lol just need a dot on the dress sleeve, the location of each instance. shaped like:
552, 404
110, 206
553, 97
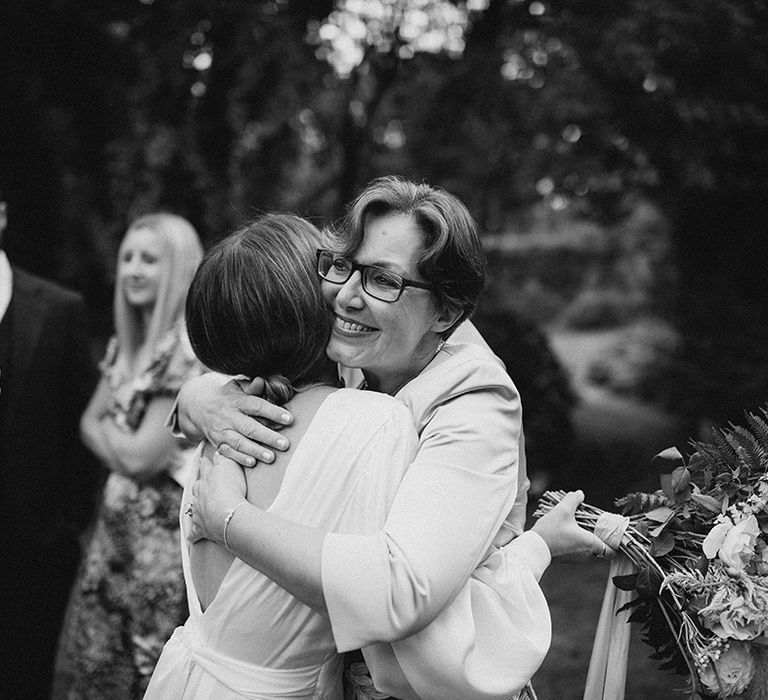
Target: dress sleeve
447, 510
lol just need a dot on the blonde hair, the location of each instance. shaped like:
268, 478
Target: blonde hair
181, 255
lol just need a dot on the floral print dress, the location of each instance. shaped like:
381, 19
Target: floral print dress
129, 595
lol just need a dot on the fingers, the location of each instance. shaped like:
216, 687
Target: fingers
255, 387
243, 458
252, 387
601, 550
257, 407
205, 467
572, 500
226, 480
220, 459
249, 442
235, 422
594, 545
195, 534
244, 451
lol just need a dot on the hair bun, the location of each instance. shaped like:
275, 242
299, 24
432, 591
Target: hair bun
278, 390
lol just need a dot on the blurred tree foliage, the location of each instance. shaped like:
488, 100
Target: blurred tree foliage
218, 110
544, 389
688, 85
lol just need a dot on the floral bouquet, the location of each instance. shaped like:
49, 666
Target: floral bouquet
699, 546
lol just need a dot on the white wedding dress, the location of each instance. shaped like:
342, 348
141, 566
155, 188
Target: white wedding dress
255, 640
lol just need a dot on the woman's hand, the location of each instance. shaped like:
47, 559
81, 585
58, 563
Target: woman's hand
226, 415
564, 536
221, 486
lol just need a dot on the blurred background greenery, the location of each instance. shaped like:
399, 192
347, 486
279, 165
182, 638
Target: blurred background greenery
613, 152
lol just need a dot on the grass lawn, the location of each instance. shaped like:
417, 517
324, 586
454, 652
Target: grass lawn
575, 593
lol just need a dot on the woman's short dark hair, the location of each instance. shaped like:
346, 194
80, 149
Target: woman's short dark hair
453, 259
255, 306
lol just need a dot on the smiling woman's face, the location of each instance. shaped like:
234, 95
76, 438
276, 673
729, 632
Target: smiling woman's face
390, 342
140, 267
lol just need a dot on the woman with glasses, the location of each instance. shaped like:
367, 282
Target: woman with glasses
442, 600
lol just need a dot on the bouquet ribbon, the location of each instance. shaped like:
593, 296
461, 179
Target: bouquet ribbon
610, 528
607, 673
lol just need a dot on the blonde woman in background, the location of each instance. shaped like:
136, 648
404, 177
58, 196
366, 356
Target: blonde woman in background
129, 595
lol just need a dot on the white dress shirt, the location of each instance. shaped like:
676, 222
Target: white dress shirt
6, 283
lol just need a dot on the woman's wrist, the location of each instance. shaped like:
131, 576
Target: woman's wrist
184, 421
193, 401
228, 519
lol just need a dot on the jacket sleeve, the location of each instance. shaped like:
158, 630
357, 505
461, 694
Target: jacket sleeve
81, 377
491, 639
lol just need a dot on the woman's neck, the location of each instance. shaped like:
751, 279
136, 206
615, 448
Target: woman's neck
146, 318
392, 383
326, 375
140, 351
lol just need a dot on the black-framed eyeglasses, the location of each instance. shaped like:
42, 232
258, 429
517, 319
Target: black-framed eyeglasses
379, 282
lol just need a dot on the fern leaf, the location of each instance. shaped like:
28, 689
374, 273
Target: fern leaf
748, 448
711, 458
726, 451
638, 502
759, 428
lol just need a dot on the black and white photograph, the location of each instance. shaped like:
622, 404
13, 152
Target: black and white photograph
384, 349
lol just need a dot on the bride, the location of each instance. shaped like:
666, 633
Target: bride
255, 308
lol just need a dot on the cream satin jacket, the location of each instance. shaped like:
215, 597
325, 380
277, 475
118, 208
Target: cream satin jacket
445, 601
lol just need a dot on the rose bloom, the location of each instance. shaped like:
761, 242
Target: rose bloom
734, 544
715, 537
731, 618
735, 667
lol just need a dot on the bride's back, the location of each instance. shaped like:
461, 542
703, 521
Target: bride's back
352, 452
255, 309
209, 561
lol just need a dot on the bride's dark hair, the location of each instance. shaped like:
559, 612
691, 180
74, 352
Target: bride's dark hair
255, 307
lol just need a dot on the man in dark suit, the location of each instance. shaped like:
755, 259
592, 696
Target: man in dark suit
47, 478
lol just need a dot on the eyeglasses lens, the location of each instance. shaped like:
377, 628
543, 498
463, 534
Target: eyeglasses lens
382, 284
379, 283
